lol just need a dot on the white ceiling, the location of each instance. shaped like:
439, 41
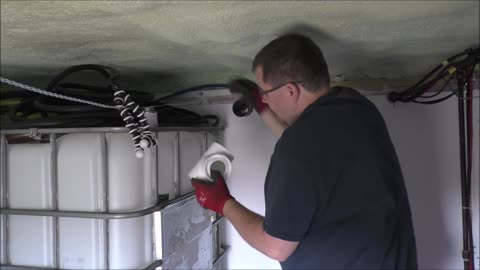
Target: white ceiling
180, 42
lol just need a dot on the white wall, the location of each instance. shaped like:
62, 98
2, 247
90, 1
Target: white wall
426, 140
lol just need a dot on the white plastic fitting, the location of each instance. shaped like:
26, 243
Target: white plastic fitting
215, 153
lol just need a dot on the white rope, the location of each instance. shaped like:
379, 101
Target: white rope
43, 92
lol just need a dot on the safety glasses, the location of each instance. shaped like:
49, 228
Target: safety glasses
263, 92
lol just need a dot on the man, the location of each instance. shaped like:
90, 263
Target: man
334, 193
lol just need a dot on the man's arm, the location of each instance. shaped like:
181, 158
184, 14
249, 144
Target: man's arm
250, 226
216, 197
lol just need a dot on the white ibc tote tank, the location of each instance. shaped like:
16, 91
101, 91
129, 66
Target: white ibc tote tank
98, 172
69, 202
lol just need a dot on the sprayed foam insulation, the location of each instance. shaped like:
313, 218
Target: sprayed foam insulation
164, 45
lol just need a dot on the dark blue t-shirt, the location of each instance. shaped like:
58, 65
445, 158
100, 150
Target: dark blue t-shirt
335, 185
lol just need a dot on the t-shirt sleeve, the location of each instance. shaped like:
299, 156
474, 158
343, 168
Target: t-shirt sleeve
290, 199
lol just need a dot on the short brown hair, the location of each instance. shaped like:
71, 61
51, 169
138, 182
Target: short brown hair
293, 57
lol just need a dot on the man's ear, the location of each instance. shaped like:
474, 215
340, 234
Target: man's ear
294, 90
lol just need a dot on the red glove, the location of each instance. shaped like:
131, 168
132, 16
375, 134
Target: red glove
260, 106
214, 195
250, 91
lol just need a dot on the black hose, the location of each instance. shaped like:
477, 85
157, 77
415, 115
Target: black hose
441, 70
437, 68
99, 93
441, 89
469, 136
173, 116
36, 103
63, 113
17, 94
43, 107
436, 100
462, 70
463, 170
110, 119
105, 71
191, 89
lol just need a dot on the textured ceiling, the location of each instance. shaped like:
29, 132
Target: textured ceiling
198, 42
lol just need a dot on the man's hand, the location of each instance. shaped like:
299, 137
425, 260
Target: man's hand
214, 195
250, 91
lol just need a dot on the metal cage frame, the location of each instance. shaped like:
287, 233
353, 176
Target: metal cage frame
53, 134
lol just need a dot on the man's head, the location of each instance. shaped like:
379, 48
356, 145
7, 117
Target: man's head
294, 64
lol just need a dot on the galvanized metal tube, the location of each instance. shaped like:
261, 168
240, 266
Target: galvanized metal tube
7, 204
3, 167
176, 165
217, 135
15, 267
154, 162
162, 228
217, 241
4, 195
220, 256
154, 265
216, 222
218, 217
157, 235
54, 190
103, 129
205, 136
105, 207
96, 215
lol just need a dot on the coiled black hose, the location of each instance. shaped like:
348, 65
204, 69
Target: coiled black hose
61, 113
448, 67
